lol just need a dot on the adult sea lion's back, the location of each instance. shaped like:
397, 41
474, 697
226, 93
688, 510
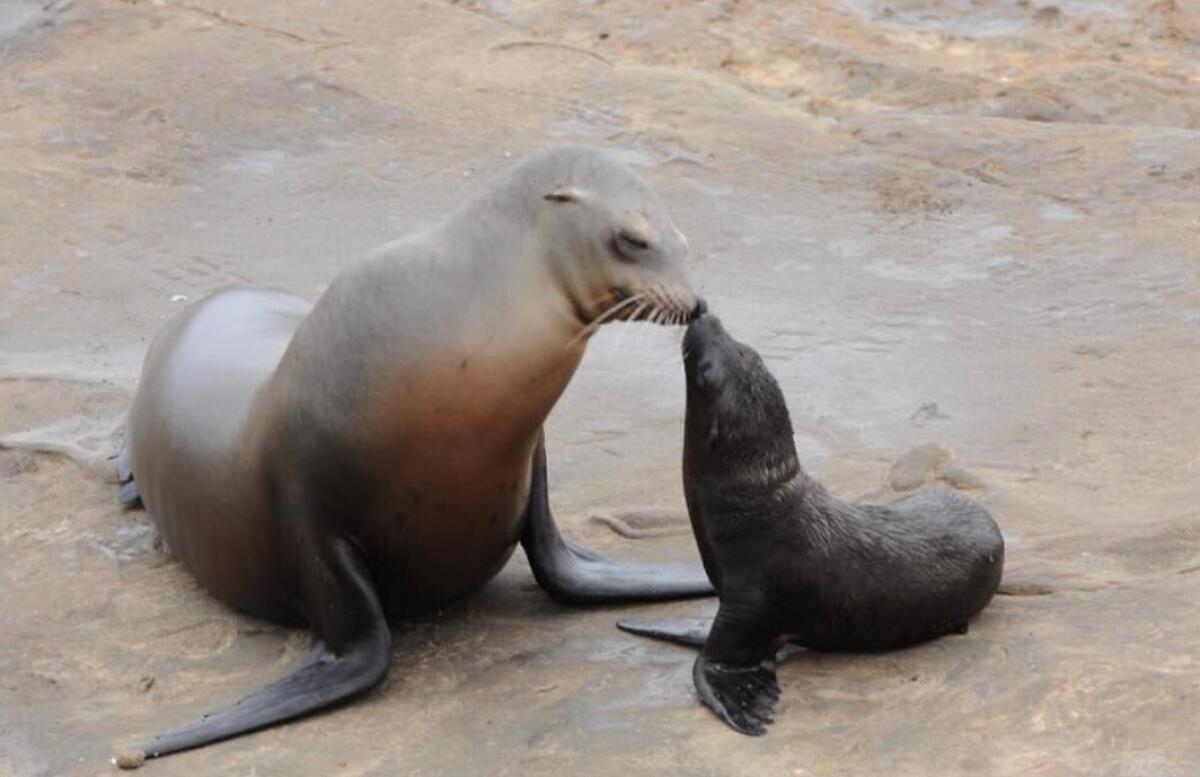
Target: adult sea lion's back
187, 437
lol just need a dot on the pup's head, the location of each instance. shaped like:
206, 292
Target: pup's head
737, 419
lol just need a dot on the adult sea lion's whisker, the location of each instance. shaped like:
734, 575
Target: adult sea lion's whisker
620, 307
637, 313
641, 310
605, 317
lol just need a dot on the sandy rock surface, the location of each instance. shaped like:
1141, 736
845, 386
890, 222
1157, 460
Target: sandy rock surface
973, 224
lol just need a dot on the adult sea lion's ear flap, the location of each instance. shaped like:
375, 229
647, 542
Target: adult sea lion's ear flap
564, 194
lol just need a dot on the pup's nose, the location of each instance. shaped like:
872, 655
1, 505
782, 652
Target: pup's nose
700, 309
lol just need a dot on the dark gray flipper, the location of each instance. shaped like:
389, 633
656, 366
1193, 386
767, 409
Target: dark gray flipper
691, 632
349, 656
573, 574
735, 673
742, 696
128, 495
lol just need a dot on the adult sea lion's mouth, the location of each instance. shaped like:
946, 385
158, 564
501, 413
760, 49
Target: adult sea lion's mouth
655, 304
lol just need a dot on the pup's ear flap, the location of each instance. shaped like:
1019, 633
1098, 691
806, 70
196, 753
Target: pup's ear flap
714, 433
564, 194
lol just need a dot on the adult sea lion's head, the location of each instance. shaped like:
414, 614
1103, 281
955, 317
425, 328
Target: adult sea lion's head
609, 240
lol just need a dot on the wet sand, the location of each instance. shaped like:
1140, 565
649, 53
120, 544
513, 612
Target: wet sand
969, 224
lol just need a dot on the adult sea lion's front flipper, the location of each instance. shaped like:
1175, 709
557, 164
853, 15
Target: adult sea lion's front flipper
574, 574
692, 632
350, 654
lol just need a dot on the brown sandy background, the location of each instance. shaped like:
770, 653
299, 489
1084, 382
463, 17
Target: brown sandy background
958, 222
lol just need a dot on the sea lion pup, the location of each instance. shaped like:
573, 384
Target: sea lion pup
380, 452
793, 564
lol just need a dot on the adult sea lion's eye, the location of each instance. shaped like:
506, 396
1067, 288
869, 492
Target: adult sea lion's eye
636, 241
628, 244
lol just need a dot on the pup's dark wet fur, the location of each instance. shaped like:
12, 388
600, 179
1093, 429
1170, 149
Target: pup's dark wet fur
792, 563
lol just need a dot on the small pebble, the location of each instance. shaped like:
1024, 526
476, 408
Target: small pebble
912, 469
958, 477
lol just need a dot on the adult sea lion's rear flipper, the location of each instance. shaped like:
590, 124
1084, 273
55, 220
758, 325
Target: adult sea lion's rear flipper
683, 631
350, 655
574, 574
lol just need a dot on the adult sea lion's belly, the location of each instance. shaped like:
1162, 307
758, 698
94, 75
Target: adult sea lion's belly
450, 523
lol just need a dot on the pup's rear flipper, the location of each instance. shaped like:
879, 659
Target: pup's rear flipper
128, 496
683, 631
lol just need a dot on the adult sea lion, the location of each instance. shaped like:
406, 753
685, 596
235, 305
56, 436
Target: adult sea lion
793, 564
381, 453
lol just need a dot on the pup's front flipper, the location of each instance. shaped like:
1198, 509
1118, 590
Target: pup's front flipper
742, 696
573, 574
692, 632
735, 673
